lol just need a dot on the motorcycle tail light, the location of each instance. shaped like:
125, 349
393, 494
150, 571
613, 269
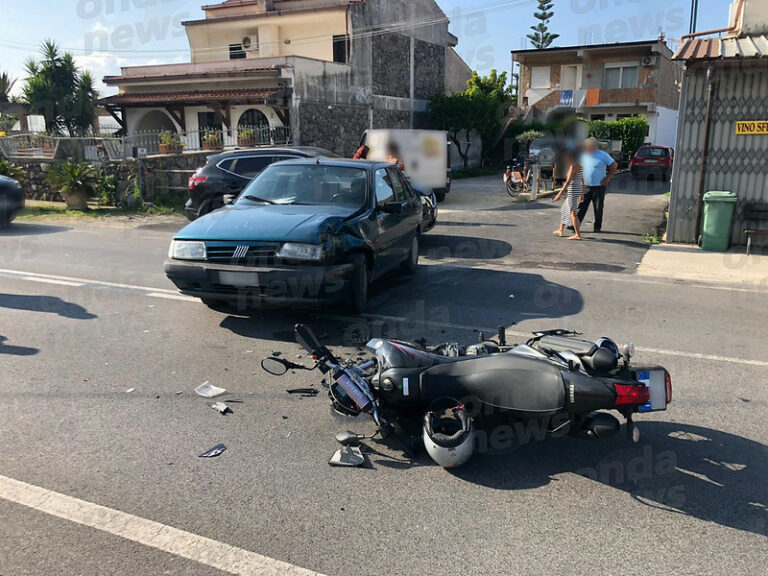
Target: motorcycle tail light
668, 387
631, 395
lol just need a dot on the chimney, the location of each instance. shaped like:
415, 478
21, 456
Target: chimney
264, 6
753, 18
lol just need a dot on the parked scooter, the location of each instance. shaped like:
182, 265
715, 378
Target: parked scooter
557, 379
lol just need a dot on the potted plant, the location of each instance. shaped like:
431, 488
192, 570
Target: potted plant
246, 137
76, 181
211, 140
170, 143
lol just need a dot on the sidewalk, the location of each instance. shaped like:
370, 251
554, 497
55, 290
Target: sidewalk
686, 262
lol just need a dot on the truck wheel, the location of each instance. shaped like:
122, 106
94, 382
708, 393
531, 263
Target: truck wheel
360, 280
410, 265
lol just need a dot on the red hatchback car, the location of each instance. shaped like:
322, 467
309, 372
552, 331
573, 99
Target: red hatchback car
655, 160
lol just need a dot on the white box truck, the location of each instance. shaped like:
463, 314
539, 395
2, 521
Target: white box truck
424, 153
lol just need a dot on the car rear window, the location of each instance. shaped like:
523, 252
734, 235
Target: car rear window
308, 185
251, 166
652, 152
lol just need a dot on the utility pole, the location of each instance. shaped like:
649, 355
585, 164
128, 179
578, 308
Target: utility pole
694, 16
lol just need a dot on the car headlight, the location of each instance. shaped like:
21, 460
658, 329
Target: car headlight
292, 251
183, 250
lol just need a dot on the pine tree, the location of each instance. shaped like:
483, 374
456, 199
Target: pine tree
541, 38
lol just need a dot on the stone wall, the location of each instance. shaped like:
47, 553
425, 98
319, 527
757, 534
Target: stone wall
163, 175
391, 65
391, 119
337, 128
429, 69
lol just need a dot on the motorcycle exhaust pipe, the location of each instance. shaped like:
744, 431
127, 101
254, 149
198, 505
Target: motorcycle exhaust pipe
598, 426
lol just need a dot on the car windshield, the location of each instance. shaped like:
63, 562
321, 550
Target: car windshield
308, 185
652, 152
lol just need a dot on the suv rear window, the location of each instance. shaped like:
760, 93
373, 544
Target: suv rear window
251, 166
652, 152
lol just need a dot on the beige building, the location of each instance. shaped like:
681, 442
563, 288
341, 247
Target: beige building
319, 72
604, 82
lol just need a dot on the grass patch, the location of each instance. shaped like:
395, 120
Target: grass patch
53, 212
652, 239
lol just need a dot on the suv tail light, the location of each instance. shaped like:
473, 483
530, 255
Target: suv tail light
668, 387
631, 395
195, 181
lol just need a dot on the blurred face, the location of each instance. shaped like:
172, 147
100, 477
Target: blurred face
590, 147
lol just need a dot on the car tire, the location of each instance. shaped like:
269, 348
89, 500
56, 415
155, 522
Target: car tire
664, 176
5, 220
440, 196
358, 299
411, 263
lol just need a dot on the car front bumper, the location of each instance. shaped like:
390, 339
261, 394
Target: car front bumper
256, 285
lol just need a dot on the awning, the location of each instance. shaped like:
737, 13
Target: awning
730, 48
238, 96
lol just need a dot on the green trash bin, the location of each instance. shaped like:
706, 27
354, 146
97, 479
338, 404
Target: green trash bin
718, 221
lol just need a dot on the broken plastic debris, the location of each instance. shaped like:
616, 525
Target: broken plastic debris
220, 407
214, 452
206, 390
304, 391
349, 456
130, 390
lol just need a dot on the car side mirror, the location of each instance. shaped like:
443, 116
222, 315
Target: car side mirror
390, 208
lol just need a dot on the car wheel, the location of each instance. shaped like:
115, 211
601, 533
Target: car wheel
664, 176
410, 265
360, 280
440, 196
5, 220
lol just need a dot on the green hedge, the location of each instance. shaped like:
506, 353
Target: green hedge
631, 131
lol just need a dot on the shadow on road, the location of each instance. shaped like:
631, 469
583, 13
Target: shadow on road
47, 304
16, 350
29, 229
679, 468
440, 246
436, 300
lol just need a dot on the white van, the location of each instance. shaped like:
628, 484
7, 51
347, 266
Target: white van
424, 153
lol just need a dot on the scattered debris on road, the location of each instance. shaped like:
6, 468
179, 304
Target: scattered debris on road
130, 390
220, 407
214, 452
304, 391
349, 456
207, 390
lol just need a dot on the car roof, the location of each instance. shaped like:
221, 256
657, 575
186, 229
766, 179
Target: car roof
341, 162
655, 146
301, 150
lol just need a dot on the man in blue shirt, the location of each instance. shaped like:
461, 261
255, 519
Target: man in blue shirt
598, 169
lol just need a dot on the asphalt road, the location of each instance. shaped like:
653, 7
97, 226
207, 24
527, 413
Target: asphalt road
690, 498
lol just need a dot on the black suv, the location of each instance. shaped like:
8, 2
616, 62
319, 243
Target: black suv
226, 174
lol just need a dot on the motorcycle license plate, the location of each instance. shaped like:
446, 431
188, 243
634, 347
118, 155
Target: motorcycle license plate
656, 382
239, 279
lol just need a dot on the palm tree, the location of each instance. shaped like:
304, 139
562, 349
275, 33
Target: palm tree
76, 181
6, 85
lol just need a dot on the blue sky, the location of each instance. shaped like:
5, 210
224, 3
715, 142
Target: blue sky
107, 34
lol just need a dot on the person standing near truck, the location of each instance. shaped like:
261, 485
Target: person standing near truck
598, 168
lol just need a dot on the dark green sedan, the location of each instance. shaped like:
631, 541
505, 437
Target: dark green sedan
303, 230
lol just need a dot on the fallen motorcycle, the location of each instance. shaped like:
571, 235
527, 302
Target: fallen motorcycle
565, 383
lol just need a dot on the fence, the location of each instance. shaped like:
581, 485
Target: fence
101, 150
153, 143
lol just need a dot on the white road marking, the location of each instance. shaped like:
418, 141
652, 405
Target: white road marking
52, 281
174, 295
147, 532
180, 297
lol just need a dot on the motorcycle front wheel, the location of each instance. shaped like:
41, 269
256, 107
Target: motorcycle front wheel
513, 189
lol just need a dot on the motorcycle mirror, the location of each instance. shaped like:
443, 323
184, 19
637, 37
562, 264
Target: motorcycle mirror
307, 339
275, 366
629, 349
348, 438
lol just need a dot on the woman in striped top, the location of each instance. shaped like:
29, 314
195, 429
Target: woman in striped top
573, 184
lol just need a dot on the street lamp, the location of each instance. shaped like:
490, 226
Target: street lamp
694, 16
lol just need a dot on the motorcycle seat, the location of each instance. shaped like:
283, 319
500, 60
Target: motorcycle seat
565, 343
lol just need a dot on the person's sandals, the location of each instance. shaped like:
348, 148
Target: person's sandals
558, 233
575, 237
